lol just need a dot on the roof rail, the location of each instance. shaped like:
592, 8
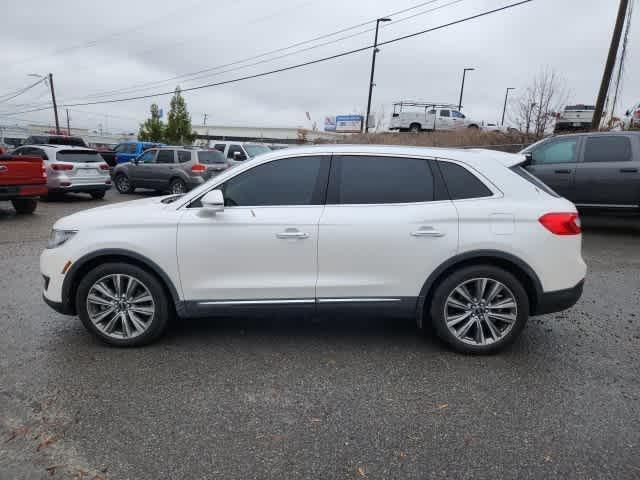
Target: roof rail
423, 103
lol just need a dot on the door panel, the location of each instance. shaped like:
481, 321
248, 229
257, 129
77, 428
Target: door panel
140, 172
163, 169
555, 162
607, 174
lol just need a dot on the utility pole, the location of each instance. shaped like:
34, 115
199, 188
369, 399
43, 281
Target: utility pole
611, 60
68, 126
464, 73
55, 106
504, 109
204, 124
373, 68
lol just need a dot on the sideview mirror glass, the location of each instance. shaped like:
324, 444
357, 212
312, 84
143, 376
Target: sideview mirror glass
237, 156
213, 201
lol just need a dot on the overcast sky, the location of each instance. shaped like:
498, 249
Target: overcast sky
97, 47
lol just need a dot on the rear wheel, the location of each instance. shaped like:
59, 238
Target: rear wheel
177, 186
414, 127
122, 304
474, 127
123, 184
24, 205
98, 195
479, 309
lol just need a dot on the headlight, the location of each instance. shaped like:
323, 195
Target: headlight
58, 237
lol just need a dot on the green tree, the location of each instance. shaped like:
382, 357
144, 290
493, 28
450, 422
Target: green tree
152, 130
179, 121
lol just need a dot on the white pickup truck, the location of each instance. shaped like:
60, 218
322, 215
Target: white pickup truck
413, 116
575, 117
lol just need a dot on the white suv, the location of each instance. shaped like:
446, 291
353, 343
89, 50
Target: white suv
465, 240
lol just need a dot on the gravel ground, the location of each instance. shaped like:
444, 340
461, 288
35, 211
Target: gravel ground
336, 398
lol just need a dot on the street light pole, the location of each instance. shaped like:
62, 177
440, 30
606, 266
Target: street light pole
504, 109
373, 68
464, 74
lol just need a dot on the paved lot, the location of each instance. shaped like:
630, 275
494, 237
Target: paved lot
340, 398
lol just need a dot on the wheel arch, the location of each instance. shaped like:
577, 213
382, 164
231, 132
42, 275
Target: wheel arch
86, 263
512, 264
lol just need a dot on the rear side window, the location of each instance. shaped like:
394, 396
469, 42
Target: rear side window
165, 156
461, 183
375, 180
184, 156
607, 149
78, 156
211, 156
444, 113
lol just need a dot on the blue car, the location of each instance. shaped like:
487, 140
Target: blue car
127, 151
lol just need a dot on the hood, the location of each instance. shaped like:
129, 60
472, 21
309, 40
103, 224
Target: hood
135, 212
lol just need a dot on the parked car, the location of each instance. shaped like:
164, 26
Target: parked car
55, 140
465, 240
176, 169
575, 117
410, 116
127, 151
593, 170
71, 169
631, 118
238, 152
22, 181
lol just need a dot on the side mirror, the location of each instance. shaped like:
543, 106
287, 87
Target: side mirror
237, 156
529, 158
213, 201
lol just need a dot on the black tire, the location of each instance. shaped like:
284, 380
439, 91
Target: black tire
446, 287
157, 323
24, 206
177, 186
415, 127
98, 195
474, 127
123, 183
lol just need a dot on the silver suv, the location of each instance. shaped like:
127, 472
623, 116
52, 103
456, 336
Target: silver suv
173, 169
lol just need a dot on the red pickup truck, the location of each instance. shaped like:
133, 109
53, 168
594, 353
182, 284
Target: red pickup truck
22, 180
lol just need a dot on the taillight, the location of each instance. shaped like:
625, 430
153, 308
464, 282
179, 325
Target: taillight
44, 170
198, 168
61, 166
104, 166
564, 223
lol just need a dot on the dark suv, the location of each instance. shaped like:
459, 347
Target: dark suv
594, 170
55, 140
176, 169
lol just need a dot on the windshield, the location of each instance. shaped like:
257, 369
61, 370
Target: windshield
78, 156
254, 150
211, 156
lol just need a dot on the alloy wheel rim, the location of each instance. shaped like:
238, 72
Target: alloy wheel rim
178, 187
480, 311
120, 306
123, 183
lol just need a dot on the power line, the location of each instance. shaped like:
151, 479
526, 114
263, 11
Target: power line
299, 65
17, 93
198, 73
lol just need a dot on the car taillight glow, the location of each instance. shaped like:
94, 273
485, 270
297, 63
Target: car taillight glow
61, 166
198, 168
562, 223
104, 166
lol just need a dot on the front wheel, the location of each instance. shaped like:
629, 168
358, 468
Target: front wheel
479, 309
122, 304
123, 184
24, 206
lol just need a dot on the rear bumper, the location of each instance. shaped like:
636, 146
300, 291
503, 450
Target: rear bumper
22, 191
550, 302
81, 188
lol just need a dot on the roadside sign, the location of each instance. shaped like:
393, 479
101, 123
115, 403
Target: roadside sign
349, 123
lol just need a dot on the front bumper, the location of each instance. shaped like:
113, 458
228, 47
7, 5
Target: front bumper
556, 301
52, 262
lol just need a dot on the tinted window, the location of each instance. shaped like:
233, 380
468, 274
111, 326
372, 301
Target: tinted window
211, 156
165, 156
236, 148
431, 112
220, 147
461, 183
290, 181
184, 156
457, 114
120, 148
130, 148
147, 157
78, 156
253, 150
444, 113
557, 151
364, 179
607, 149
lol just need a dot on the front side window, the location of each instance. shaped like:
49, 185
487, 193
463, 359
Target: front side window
120, 148
376, 180
456, 114
147, 157
254, 150
232, 152
165, 156
607, 149
131, 148
289, 181
557, 151
461, 183
445, 113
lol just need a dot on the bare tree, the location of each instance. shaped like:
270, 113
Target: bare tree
535, 110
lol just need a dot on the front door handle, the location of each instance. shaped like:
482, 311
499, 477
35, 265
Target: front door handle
562, 170
629, 170
292, 233
427, 232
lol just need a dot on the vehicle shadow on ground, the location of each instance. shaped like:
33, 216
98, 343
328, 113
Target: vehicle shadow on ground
610, 224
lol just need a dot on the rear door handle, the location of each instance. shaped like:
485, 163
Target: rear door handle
427, 232
562, 170
629, 170
292, 233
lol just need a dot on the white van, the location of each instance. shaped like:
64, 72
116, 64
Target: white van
412, 116
238, 152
